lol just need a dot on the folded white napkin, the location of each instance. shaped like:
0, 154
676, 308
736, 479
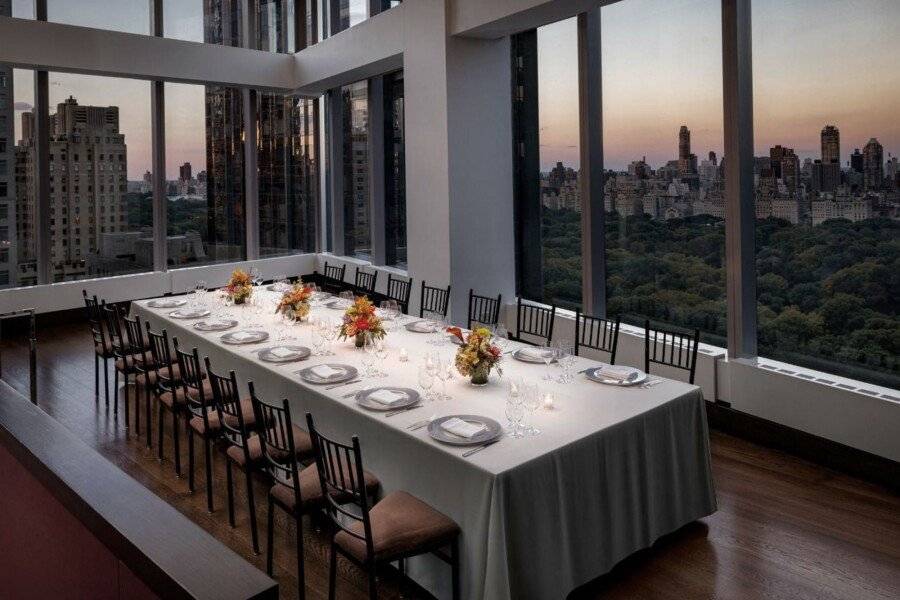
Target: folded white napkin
618, 373
387, 397
324, 371
457, 426
537, 353
241, 336
282, 352
424, 326
215, 323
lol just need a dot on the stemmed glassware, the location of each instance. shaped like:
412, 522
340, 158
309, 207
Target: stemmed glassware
515, 408
199, 292
438, 372
329, 334
533, 399
548, 354
565, 356
318, 336
501, 337
426, 380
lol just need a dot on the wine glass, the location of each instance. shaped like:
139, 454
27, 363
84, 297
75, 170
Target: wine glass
330, 332
426, 381
515, 408
565, 356
547, 354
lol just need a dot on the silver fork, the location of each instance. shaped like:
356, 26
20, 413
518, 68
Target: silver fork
477, 449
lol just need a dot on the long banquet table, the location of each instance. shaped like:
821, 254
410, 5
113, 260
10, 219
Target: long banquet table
612, 470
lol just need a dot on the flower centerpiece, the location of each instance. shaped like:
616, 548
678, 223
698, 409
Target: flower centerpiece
294, 303
477, 355
239, 287
360, 322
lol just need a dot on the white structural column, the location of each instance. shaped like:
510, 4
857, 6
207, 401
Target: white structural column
740, 214
593, 211
158, 145
459, 172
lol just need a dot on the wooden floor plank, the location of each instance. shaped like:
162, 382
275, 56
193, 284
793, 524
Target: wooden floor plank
785, 528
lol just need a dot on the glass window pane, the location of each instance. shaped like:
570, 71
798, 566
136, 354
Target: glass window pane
826, 139
22, 9
288, 174
183, 20
357, 206
131, 16
101, 217
395, 171
16, 212
662, 128
222, 22
560, 196
226, 220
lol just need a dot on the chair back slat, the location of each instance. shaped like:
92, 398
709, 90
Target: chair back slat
434, 300
365, 281
161, 356
192, 382
227, 400
534, 320
274, 426
334, 277
342, 477
484, 309
597, 333
671, 348
95, 319
399, 289
111, 318
136, 344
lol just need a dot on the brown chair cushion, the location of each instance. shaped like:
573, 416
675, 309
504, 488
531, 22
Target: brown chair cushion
180, 399
131, 362
302, 447
401, 525
104, 349
311, 489
172, 373
196, 423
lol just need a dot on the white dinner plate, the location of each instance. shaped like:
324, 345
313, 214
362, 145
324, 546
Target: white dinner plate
363, 398
492, 430
594, 375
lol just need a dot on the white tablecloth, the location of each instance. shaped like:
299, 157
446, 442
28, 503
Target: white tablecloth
612, 470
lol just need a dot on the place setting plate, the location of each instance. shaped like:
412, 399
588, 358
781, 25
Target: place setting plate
335, 373
387, 398
167, 303
338, 304
215, 324
420, 327
490, 430
284, 354
619, 376
281, 288
245, 336
189, 313
531, 355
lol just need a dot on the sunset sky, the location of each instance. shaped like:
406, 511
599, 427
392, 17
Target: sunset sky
816, 62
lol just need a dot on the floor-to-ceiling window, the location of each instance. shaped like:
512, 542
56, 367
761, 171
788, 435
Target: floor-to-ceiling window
663, 189
356, 203
395, 171
130, 16
826, 141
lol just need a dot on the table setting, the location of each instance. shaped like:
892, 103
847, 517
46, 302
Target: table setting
435, 404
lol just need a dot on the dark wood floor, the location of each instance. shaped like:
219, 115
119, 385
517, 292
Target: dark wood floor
785, 528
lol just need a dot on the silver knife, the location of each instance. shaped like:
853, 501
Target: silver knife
419, 424
479, 448
402, 410
343, 383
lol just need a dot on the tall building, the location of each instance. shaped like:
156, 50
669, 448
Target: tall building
776, 155
831, 145
687, 162
856, 161
790, 170
873, 165
184, 172
88, 183
7, 170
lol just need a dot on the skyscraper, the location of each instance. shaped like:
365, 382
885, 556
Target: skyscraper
831, 145
873, 165
184, 172
687, 162
7, 170
856, 161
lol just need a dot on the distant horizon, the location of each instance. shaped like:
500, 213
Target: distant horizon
831, 62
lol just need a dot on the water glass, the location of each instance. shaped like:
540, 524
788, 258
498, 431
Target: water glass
426, 381
533, 399
548, 354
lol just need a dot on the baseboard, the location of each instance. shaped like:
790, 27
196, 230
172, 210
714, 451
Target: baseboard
819, 450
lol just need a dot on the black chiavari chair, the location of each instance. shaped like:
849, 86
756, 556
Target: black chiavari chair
142, 367
237, 420
534, 320
204, 421
671, 348
375, 533
484, 310
167, 388
333, 280
398, 290
364, 284
102, 345
597, 334
434, 300
124, 363
296, 491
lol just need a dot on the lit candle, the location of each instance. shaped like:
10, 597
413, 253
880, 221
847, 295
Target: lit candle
548, 401
404, 355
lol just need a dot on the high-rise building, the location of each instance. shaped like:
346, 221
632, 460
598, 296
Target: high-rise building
88, 183
873, 165
790, 170
831, 145
776, 155
687, 162
7, 170
184, 172
856, 161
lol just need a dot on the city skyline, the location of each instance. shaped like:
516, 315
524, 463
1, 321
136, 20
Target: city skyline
675, 78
